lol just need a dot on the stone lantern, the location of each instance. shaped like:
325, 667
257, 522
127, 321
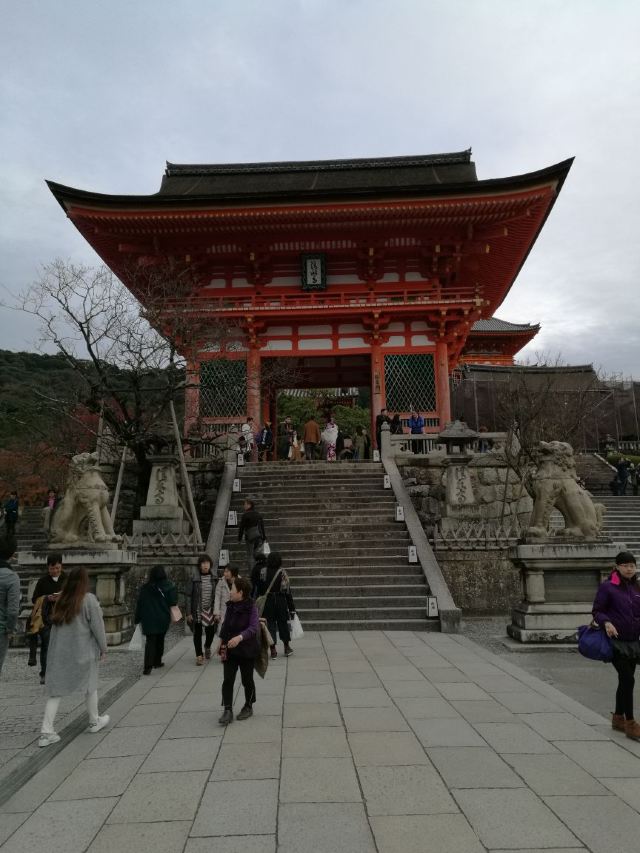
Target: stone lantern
458, 438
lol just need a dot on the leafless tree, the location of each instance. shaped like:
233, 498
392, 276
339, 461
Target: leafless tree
129, 348
130, 361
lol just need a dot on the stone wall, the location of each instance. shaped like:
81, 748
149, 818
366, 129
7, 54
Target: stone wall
481, 582
481, 579
497, 491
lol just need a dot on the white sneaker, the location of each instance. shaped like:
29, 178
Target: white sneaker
99, 724
47, 738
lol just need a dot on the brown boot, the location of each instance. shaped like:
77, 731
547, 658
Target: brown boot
617, 722
632, 729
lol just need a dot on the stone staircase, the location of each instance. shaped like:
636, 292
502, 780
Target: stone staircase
347, 558
596, 474
31, 536
622, 520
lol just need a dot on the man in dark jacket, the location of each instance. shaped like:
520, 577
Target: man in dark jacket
382, 418
48, 588
9, 596
251, 527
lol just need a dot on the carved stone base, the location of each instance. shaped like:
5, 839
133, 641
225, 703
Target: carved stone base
560, 582
107, 570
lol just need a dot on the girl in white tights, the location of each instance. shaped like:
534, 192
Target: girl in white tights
78, 641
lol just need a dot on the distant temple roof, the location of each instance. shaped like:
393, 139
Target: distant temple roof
493, 324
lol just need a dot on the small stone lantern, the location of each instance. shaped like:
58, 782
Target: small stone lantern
458, 438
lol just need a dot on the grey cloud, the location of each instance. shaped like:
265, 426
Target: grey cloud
99, 95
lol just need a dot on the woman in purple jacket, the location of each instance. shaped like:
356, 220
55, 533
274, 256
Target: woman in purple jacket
617, 609
239, 648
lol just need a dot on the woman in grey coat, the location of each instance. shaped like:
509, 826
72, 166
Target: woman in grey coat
78, 641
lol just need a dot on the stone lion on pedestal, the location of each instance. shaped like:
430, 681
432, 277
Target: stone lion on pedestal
82, 518
554, 484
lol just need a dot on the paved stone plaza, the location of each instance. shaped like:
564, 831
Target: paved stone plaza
361, 742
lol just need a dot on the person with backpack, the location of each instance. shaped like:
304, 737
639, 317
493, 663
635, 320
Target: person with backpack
153, 612
251, 527
46, 592
272, 581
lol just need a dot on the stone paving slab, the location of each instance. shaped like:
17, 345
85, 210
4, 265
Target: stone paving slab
363, 742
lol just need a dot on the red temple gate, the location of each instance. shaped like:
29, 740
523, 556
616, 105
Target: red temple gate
354, 272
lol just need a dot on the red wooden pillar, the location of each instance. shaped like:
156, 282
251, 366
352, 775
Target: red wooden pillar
192, 397
443, 395
253, 385
378, 394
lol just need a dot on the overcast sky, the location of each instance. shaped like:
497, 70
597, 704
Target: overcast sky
97, 95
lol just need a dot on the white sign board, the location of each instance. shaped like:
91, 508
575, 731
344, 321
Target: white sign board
387, 481
224, 558
432, 606
240, 460
232, 519
399, 513
237, 485
413, 554
376, 455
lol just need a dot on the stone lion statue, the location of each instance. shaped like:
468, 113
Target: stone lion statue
82, 518
555, 484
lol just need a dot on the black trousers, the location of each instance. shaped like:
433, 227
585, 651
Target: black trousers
626, 682
209, 634
276, 612
153, 650
231, 667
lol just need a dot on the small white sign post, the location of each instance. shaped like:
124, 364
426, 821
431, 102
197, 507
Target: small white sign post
387, 481
232, 520
376, 455
399, 513
432, 606
413, 554
240, 460
224, 558
237, 485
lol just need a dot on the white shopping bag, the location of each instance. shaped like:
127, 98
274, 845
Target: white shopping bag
295, 627
135, 643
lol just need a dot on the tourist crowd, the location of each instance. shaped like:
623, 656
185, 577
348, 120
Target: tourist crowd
243, 616
329, 443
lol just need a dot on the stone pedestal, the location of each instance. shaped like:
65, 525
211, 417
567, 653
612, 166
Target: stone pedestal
162, 513
107, 570
559, 584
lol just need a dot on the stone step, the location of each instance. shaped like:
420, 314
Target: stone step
350, 585
333, 613
361, 552
289, 495
363, 575
380, 599
372, 625
319, 464
287, 535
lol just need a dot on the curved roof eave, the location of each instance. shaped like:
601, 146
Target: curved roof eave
68, 196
